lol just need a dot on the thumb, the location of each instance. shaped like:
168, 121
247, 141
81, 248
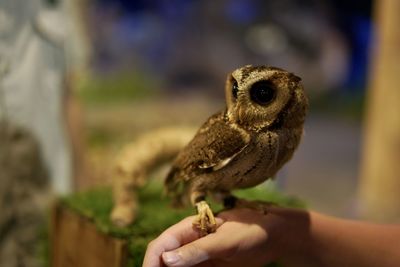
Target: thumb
195, 252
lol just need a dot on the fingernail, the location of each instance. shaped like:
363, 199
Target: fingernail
171, 257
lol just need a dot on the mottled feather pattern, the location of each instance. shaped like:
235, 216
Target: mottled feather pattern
216, 141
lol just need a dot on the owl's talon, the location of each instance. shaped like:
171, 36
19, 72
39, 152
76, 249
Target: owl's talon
205, 220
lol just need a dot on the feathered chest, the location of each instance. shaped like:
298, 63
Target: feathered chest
223, 155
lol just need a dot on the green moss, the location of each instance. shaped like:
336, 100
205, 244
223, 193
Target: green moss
155, 213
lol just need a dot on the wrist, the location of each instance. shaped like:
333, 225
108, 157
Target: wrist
290, 239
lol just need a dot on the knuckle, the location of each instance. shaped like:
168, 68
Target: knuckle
151, 244
193, 254
192, 250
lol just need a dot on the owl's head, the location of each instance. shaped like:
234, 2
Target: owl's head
259, 97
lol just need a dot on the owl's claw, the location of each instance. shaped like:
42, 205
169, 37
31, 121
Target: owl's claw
205, 220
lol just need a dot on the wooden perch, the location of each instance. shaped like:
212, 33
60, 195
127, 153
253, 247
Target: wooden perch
136, 161
77, 242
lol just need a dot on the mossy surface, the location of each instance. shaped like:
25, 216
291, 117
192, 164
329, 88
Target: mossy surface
155, 213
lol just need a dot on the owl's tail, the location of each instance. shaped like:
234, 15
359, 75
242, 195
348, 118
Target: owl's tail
175, 188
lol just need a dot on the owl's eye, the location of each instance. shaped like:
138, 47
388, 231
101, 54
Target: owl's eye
235, 89
262, 92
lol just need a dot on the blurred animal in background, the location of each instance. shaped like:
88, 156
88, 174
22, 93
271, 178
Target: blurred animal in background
240, 146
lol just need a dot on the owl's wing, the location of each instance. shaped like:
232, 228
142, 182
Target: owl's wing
216, 143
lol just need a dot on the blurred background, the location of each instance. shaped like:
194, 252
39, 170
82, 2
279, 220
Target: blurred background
79, 79
158, 63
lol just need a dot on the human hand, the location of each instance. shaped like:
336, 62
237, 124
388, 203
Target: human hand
240, 240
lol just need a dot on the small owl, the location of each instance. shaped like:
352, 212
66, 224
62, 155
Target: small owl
242, 145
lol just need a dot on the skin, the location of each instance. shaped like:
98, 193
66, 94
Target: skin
292, 237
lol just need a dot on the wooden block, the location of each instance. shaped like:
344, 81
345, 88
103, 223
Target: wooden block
76, 242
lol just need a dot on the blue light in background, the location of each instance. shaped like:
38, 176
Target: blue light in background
242, 11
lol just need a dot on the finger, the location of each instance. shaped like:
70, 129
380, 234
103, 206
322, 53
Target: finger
198, 251
167, 241
172, 238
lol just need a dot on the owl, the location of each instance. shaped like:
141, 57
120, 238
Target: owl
242, 145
